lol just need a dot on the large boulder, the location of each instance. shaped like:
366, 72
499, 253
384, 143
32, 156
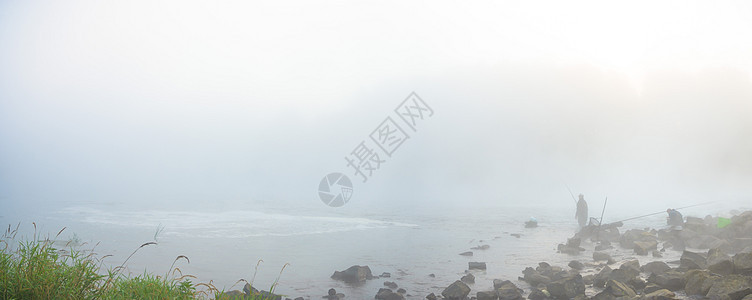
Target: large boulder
619, 289
719, 262
567, 288
486, 296
671, 280
602, 277
476, 265
508, 291
468, 278
695, 280
600, 256
743, 263
354, 274
731, 287
691, 260
456, 291
657, 267
387, 294
644, 247
628, 238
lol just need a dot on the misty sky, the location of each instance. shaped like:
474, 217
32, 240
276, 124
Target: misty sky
166, 103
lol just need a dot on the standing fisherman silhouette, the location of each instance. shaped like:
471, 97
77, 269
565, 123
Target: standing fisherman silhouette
582, 211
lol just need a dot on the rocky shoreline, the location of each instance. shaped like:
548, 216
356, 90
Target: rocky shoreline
714, 262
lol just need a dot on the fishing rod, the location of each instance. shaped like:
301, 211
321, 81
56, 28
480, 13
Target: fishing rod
570, 193
660, 212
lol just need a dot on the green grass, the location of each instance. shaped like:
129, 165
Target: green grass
37, 270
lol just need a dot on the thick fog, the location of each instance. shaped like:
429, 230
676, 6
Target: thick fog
231, 105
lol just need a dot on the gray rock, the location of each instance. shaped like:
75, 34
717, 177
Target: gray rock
733, 287
657, 254
619, 289
657, 267
391, 285
486, 296
695, 280
600, 256
567, 288
651, 287
467, 253
743, 263
481, 247
402, 291
456, 291
538, 294
508, 291
602, 277
354, 274
576, 265
691, 260
663, 294
719, 262
387, 294
431, 296
671, 280
386, 275
476, 265
468, 278
644, 247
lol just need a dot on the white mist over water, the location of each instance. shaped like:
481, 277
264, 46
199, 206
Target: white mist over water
218, 120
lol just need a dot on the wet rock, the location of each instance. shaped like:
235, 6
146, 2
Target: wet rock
602, 277
732, 287
695, 280
431, 296
468, 253
627, 239
567, 288
456, 291
468, 278
387, 294
402, 291
691, 260
600, 256
386, 275
481, 247
506, 290
623, 275
633, 265
719, 262
644, 247
533, 277
657, 254
671, 280
657, 267
663, 294
486, 296
538, 294
588, 279
576, 265
619, 289
354, 274
432, 275
651, 287
743, 263
391, 285
476, 265
517, 235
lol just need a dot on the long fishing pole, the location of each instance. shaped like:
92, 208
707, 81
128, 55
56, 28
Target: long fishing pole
660, 212
570, 193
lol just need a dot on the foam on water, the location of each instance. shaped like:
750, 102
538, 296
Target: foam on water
227, 224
